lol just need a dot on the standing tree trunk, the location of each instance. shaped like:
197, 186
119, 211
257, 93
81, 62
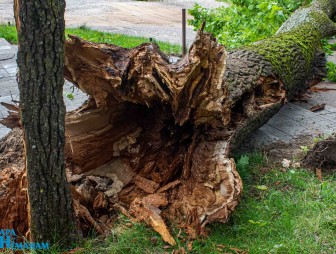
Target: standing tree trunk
40, 26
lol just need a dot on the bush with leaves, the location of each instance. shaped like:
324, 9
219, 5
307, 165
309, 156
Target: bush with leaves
331, 68
244, 21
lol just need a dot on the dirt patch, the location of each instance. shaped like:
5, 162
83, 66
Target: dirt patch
323, 155
279, 150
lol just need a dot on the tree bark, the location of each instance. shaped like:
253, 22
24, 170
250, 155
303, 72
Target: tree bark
182, 122
164, 134
40, 26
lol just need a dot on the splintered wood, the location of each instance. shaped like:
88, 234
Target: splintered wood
155, 139
145, 120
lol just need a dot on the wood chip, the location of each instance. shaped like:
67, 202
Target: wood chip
169, 186
192, 233
156, 200
123, 210
319, 174
190, 246
236, 250
318, 107
151, 216
82, 212
10, 107
146, 185
100, 201
321, 89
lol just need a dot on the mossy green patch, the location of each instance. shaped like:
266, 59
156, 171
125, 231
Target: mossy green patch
291, 53
321, 21
312, 16
293, 50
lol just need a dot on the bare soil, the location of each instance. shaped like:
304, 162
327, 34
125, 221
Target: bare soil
323, 155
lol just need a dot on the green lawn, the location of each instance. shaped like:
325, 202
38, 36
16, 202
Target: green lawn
9, 33
281, 212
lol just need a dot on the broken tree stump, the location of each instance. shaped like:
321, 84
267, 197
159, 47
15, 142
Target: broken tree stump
164, 134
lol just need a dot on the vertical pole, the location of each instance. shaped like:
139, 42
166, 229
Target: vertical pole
184, 41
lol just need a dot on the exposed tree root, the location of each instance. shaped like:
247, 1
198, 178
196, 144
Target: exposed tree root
323, 155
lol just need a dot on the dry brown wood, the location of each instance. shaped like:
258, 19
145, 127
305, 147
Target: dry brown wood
151, 215
164, 134
176, 125
13, 119
317, 107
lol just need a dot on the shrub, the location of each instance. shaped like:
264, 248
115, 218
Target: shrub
244, 21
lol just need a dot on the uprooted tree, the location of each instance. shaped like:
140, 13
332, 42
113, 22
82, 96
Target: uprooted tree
155, 140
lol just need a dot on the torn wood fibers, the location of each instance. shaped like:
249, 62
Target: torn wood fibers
155, 140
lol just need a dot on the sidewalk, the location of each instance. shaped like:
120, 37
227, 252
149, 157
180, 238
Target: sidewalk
9, 88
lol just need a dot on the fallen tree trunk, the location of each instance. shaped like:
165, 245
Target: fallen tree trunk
163, 134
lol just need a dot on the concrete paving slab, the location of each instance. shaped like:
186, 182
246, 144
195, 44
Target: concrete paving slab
275, 133
5, 48
290, 125
7, 56
9, 65
10, 61
3, 131
327, 96
11, 71
303, 116
309, 103
3, 73
3, 42
8, 86
3, 112
258, 139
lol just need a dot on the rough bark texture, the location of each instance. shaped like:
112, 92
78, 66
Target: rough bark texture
181, 122
40, 26
155, 139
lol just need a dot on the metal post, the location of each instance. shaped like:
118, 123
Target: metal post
184, 32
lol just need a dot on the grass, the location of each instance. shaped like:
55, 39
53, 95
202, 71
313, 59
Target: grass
9, 33
281, 211
126, 41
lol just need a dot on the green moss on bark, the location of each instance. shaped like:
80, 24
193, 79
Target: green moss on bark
291, 52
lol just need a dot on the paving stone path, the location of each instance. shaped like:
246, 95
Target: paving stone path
9, 88
292, 122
